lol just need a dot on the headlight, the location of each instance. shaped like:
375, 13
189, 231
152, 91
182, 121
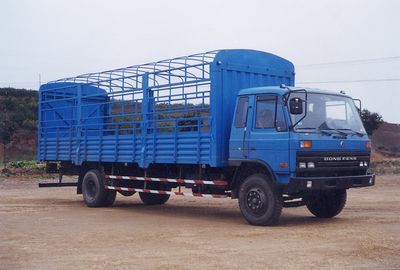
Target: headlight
311, 165
304, 165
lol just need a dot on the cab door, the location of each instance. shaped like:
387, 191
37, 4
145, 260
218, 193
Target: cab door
268, 137
239, 143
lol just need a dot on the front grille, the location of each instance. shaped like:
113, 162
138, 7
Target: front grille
332, 163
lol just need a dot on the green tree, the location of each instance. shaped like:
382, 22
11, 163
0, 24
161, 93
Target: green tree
7, 129
18, 112
371, 120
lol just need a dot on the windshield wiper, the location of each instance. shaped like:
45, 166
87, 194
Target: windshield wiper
355, 132
332, 129
306, 128
316, 129
325, 127
328, 130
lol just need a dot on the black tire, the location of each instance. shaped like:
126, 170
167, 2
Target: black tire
153, 199
94, 193
260, 201
126, 193
327, 204
110, 198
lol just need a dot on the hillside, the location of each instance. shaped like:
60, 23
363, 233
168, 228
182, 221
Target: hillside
386, 139
18, 123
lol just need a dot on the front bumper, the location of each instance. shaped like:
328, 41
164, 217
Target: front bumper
299, 184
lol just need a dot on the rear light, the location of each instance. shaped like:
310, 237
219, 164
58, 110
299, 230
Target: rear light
368, 145
305, 144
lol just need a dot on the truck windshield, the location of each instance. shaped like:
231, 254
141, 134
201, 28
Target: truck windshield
328, 114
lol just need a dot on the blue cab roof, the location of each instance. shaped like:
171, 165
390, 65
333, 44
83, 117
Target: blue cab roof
280, 91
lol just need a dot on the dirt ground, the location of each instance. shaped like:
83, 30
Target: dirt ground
51, 228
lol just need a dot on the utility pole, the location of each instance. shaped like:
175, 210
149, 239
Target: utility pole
5, 113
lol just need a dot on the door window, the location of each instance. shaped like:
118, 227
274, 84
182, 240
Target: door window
269, 114
265, 112
241, 112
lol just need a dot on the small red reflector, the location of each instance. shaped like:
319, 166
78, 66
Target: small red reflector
283, 164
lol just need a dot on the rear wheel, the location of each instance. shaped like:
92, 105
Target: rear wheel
259, 201
152, 199
327, 204
126, 193
94, 193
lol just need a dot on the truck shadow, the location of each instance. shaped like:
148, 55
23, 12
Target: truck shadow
218, 214
211, 212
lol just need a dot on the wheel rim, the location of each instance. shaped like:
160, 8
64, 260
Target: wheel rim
256, 201
91, 188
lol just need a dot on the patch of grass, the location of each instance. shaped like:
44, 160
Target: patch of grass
25, 164
385, 166
24, 167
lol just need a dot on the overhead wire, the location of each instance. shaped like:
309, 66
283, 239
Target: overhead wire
358, 61
353, 81
344, 62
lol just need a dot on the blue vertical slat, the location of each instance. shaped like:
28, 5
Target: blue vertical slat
70, 142
78, 123
101, 146
176, 144
215, 104
41, 129
198, 141
85, 144
145, 111
116, 142
134, 127
57, 142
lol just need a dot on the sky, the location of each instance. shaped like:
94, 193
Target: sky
339, 45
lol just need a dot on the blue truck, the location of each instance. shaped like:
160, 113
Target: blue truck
226, 123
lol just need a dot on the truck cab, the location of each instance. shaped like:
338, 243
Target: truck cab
311, 144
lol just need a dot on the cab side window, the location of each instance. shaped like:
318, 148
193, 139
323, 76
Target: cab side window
269, 114
280, 118
241, 112
265, 112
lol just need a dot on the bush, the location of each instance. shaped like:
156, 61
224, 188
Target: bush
28, 164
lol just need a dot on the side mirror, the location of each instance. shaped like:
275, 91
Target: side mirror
296, 106
358, 106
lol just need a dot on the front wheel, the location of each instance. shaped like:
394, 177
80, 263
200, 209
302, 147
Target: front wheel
94, 193
327, 204
260, 201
